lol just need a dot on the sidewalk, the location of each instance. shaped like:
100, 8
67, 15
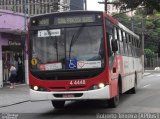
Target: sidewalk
152, 71
14, 96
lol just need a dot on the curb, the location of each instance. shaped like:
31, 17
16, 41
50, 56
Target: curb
14, 103
16, 85
19, 100
147, 74
153, 71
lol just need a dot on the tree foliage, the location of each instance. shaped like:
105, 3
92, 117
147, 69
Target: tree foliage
151, 27
132, 4
123, 18
148, 53
149, 13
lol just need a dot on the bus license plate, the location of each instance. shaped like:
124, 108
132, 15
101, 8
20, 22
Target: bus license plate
68, 95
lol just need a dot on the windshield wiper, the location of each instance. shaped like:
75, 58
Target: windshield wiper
74, 38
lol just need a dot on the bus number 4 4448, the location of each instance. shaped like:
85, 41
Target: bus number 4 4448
78, 82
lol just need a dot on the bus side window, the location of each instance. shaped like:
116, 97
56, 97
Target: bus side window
129, 45
125, 43
116, 37
135, 45
140, 44
138, 53
121, 42
108, 44
109, 38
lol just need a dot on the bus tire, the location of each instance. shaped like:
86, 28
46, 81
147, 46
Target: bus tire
58, 104
114, 102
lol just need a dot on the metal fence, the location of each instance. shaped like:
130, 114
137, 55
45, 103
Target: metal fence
152, 63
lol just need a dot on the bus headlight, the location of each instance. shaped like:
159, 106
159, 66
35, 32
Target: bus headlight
98, 86
101, 85
35, 88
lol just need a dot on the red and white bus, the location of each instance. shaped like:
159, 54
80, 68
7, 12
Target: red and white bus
82, 55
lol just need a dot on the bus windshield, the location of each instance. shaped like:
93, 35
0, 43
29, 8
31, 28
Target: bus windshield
67, 48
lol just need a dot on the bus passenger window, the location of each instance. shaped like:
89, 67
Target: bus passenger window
125, 43
116, 37
129, 45
109, 38
121, 42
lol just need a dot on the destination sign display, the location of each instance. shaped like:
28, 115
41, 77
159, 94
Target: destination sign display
40, 22
66, 20
74, 19
43, 22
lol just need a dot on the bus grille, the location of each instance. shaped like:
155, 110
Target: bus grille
74, 88
61, 95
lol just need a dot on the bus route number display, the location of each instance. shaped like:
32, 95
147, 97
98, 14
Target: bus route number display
43, 22
75, 19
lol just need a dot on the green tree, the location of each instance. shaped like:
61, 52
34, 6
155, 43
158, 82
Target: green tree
148, 53
123, 18
152, 27
132, 4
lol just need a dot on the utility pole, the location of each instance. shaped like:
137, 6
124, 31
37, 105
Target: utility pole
105, 2
143, 30
25, 41
85, 4
105, 6
132, 21
25, 14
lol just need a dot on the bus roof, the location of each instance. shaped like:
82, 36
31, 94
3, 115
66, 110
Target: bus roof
66, 12
115, 21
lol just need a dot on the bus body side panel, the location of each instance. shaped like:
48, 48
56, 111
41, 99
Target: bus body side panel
111, 74
138, 68
131, 67
114, 78
126, 68
128, 77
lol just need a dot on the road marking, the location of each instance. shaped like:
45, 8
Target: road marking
149, 75
146, 85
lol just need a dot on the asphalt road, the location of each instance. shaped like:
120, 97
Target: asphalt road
145, 101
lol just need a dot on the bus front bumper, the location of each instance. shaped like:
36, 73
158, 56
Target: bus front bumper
103, 93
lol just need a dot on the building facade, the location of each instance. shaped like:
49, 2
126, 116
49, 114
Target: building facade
34, 7
111, 8
76, 4
31, 7
12, 45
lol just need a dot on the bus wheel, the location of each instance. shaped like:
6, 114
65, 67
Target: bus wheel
113, 102
58, 104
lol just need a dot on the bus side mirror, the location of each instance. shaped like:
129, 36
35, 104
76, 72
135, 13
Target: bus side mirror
114, 45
